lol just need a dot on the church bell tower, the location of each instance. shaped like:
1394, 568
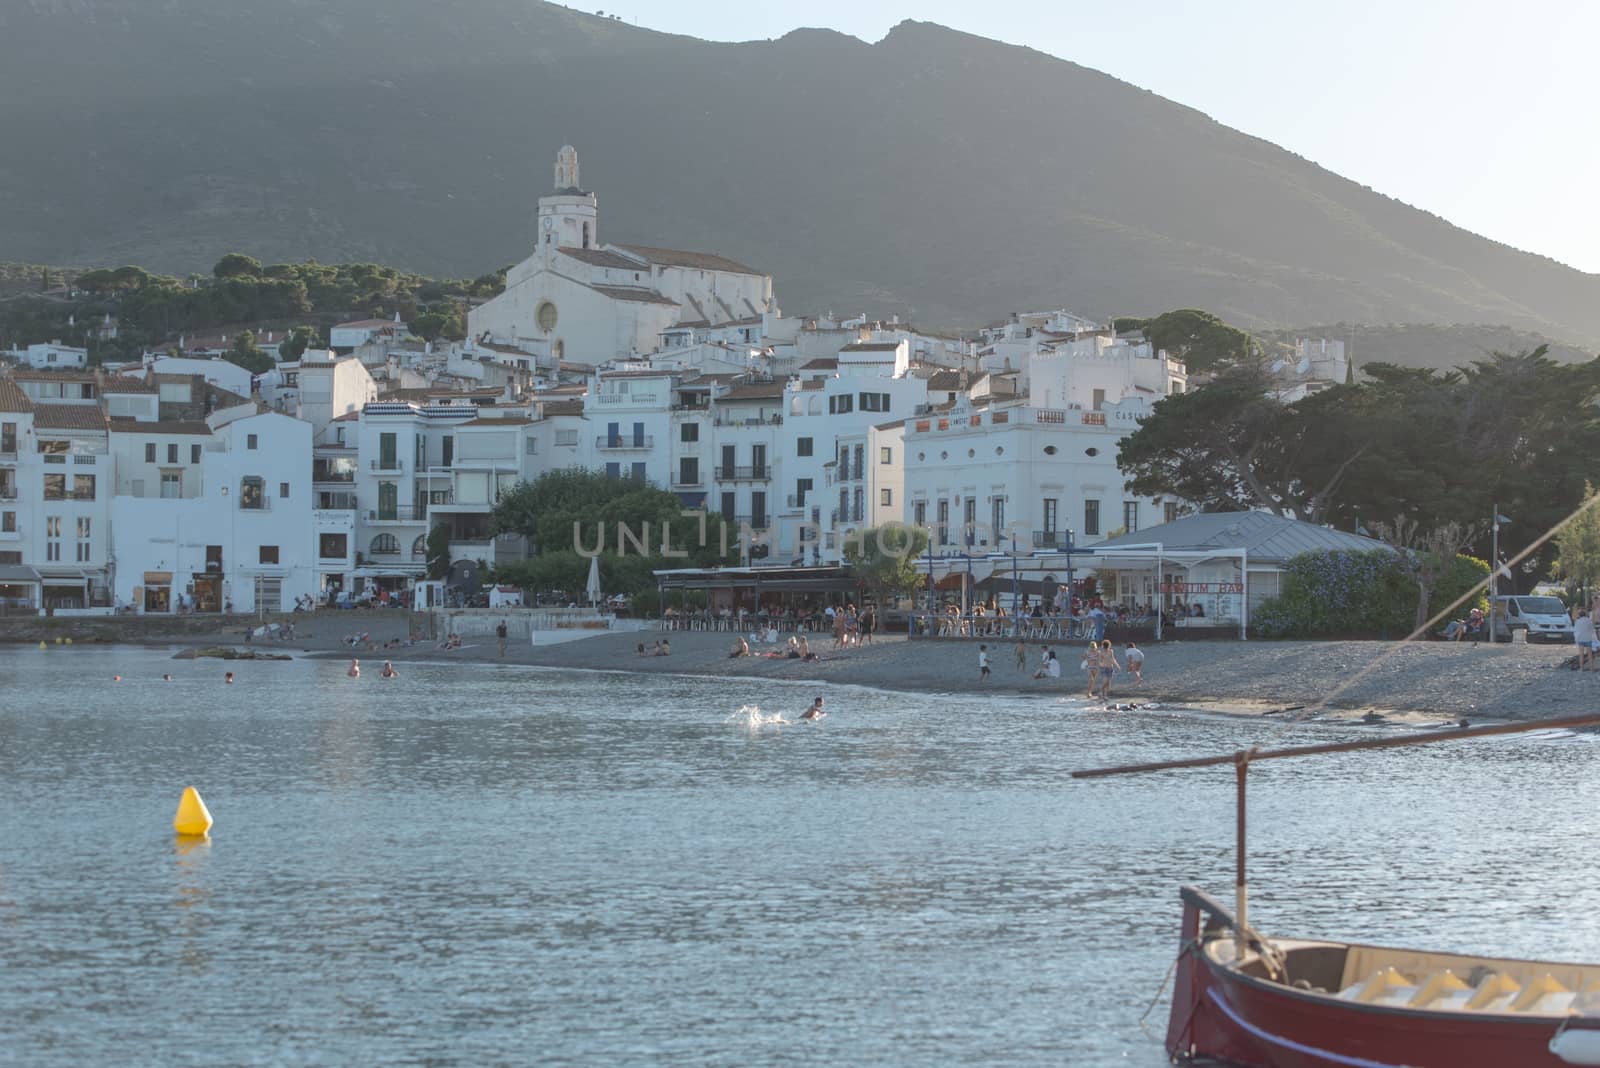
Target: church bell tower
568, 217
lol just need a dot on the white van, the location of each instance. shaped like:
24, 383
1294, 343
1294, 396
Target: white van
1545, 619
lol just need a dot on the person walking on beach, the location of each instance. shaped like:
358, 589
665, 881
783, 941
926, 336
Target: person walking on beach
1021, 649
983, 663
838, 630
1135, 658
500, 633
1091, 664
1108, 668
1583, 636
869, 621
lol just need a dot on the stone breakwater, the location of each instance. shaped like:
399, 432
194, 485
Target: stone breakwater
1431, 679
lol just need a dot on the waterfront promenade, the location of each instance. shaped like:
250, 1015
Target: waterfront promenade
1439, 679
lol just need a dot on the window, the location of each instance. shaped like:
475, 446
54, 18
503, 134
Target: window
149, 452
874, 402
11, 556
268, 554
252, 492
447, 447
250, 440
689, 432
385, 545
1091, 518
1099, 399
861, 452
638, 435
859, 500
388, 452
997, 515
638, 471
1169, 511
758, 510
1048, 509
1130, 516
841, 404
8, 522
802, 486
566, 437
919, 514
172, 452
533, 445
728, 505
944, 522
83, 487
8, 437
969, 521
171, 485
84, 525
55, 487
758, 461
802, 447
389, 500
886, 455
283, 491
52, 531
613, 470
214, 559
886, 498
332, 546
194, 453
688, 471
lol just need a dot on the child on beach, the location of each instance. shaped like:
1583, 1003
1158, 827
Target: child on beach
983, 663
1135, 658
1044, 664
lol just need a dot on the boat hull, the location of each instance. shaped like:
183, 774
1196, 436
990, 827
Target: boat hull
1220, 1014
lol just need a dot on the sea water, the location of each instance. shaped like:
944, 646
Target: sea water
490, 864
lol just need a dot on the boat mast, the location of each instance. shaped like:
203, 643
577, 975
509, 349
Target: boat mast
1242, 760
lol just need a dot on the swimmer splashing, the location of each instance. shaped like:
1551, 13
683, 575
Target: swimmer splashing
815, 712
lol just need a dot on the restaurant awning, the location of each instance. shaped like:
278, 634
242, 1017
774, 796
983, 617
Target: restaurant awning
15, 573
158, 578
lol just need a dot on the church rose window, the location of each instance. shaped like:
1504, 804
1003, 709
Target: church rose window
547, 316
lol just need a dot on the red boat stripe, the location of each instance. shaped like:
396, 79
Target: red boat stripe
1289, 1043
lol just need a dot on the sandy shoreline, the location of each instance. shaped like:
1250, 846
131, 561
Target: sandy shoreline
1421, 680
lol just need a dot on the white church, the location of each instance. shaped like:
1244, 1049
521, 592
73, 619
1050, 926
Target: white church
584, 302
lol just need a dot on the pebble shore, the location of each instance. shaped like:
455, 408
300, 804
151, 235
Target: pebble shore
1419, 680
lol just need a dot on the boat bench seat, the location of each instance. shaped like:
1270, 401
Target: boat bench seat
1482, 991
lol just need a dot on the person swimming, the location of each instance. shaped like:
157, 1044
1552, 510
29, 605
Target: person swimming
228, 678
388, 671
815, 711
355, 669
166, 678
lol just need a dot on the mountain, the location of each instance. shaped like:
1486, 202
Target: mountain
944, 176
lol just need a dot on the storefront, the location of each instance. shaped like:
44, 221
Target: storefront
19, 590
156, 593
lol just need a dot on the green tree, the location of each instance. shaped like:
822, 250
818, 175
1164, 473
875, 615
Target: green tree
884, 558
1577, 561
247, 354
438, 549
237, 265
300, 338
1426, 556
1203, 342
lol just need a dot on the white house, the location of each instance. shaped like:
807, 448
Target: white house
52, 356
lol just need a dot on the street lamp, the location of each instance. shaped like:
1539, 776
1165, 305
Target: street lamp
1494, 573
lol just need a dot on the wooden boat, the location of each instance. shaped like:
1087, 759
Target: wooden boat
1243, 999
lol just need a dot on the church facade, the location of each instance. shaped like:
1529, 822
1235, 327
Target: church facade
583, 302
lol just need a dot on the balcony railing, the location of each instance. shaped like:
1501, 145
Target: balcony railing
752, 473
396, 464
625, 441
763, 420
679, 482
626, 398
754, 522
1047, 539
406, 514
1094, 418
262, 503
333, 476
8, 493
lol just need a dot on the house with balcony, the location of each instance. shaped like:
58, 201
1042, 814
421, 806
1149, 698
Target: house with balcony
746, 421
404, 468
630, 416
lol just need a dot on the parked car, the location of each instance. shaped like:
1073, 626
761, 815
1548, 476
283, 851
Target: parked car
1544, 619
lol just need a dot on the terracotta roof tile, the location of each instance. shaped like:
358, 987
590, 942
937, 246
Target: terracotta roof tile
68, 417
700, 261
601, 257
636, 296
12, 399
164, 426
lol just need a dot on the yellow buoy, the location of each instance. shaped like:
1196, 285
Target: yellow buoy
193, 816
41, 643
58, 641
69, 641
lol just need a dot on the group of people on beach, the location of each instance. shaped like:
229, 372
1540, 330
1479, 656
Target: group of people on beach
850, 627
1099, 661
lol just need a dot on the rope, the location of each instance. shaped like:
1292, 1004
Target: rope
1162, 989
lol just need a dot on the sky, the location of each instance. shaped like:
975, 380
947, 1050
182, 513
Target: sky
1487, 114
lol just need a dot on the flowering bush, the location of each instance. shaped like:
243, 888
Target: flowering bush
1356, 595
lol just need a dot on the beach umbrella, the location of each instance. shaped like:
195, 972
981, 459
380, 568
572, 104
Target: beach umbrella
593, 586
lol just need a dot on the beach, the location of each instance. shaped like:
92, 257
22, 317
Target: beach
1418, 680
